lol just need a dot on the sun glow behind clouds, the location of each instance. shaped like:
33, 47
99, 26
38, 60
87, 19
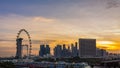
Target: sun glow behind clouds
108, 45
105, 42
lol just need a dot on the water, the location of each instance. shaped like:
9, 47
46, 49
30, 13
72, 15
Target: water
94, 67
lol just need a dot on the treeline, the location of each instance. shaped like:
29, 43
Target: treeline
6, 65
71, 60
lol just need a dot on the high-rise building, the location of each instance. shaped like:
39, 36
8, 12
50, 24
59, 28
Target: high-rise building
66, 51
101, 52
58, 51
42, 50
74, 50
87, 47
47, 49
69, 52
62, 51
19, 48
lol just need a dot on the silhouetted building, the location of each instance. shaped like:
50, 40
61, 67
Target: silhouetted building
74, 50
87, 47
101, 52
62, 51
66, 51
69, 51
58, 51
42, 50
19, 48
47, 49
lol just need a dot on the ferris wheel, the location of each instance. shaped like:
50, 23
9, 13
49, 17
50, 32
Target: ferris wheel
29, 45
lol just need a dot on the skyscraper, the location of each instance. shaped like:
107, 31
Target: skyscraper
74, 50
47, 49
19, 48
62, 51
42, 50
58, 51
87, 47
101, 52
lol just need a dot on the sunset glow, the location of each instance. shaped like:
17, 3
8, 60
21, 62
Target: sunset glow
106, 42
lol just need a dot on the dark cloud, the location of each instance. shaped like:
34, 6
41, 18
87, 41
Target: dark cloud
113, 3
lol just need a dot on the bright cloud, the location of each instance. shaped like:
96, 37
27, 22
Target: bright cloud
106, 42
42, 19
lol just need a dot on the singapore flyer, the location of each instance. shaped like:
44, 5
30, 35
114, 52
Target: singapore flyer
20, 45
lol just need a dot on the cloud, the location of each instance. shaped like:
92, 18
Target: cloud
105, 42
2, 40
113, 3
42, 19
43, 41
13, 23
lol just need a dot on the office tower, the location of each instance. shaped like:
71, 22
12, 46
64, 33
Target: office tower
64, 51
58, 51
42, 50
74, 50
76, 45
101, 52
87, 47
69, 51
68, 54
69, 48
47, 49
19, 48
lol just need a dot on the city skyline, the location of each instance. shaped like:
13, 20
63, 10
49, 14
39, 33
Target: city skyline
59, 22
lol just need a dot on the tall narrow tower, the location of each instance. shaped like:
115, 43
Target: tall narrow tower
19, 48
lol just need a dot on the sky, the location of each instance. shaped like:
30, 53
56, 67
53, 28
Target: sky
59, 21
